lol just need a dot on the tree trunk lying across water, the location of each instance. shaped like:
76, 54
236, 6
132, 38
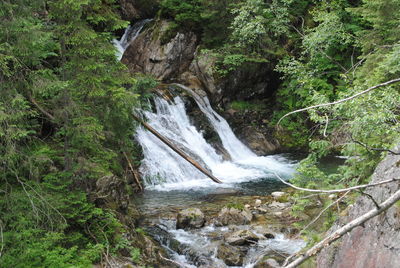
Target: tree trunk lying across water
175, 149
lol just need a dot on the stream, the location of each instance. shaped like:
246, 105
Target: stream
172, 185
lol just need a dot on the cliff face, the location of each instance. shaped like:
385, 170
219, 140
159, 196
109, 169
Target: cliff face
376, 244
149, 55
177, 58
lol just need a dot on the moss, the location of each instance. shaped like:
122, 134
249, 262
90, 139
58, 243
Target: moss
245, 105
169, 33
236, 206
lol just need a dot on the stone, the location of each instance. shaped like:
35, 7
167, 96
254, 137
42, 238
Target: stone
277, 194
241, 238
264, 230
149, 54
233, 216
257, 203
232, 256
268, 263
190, 218
376, 243
279, 205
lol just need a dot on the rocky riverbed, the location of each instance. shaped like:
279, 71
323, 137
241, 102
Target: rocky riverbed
226, 228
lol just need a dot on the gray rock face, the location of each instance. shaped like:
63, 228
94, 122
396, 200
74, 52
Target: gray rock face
233, 216
146, 54
190, 218
138, 9
376, 244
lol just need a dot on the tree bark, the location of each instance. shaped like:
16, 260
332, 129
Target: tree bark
345, 229
178, 151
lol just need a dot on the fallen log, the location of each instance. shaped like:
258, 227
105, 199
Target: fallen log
178, 151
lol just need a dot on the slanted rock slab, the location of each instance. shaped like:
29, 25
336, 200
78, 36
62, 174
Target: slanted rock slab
241, 238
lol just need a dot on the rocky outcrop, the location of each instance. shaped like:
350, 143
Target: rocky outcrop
132, 10
376, 243
190, 218
147, 54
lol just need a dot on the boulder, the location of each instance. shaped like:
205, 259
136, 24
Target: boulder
277, 194
268, 263
190, 218
241, 238
232, 256
233, 216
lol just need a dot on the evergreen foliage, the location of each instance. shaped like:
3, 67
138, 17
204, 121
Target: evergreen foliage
65, 106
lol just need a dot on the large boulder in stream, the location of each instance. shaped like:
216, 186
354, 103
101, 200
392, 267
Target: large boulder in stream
233, 216
190, 218
232, 256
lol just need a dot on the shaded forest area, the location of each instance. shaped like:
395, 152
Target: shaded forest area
66, 131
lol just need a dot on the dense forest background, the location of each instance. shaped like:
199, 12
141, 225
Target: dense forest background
66, 103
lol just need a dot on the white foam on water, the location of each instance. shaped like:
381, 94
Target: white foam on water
130, 34
164, 170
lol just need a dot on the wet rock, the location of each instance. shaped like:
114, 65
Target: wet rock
241, 238
264, 230
232, 256
233, 216
190, 218
150, 54
258, 141
268, 263
277, 194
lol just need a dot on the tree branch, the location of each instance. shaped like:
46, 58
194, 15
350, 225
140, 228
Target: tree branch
336, 190
47, 114
345, 229
341, 100
374, 149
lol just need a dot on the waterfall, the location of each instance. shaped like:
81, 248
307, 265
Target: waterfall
130, 34
163, 169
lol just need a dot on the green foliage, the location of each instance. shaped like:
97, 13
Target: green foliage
245, 105
65, 117
187, 13
237, 206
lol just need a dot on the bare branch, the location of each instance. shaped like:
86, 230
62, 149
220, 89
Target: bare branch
374, 149
326, 125
336, 190
322, 212
345, 229
341, 100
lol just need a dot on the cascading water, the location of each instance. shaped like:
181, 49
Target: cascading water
163, 169
130, 34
